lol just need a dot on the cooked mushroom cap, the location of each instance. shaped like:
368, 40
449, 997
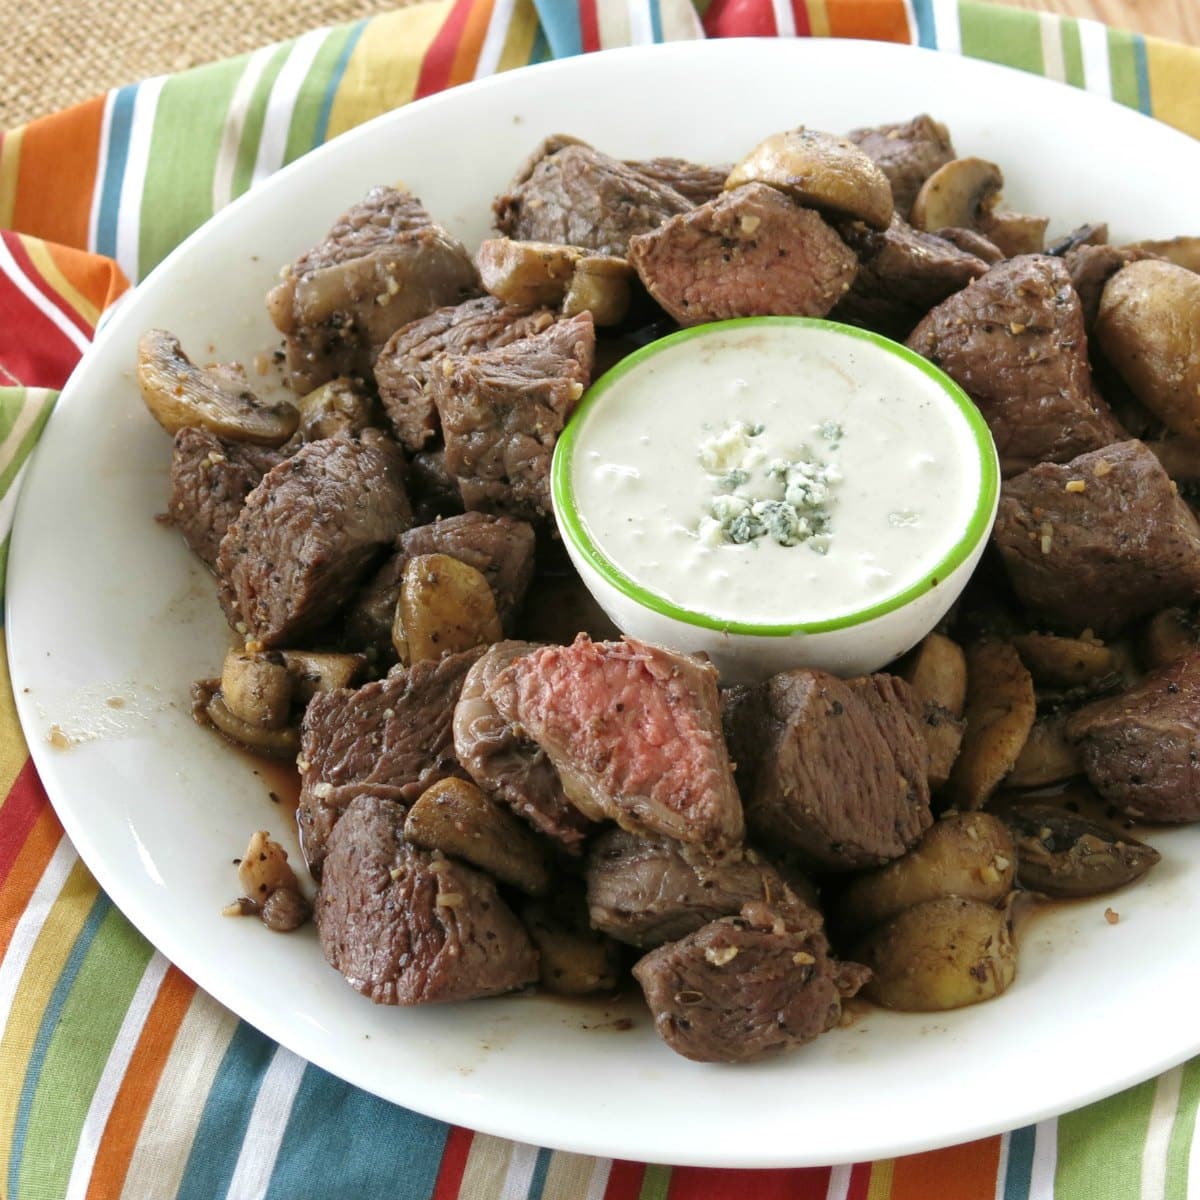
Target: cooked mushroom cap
820, 170
179, 394
1182, 251
962, 194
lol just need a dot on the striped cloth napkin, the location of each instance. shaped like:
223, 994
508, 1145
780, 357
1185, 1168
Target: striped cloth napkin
118, 1077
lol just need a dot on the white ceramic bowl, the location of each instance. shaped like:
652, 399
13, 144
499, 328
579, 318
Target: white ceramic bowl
867, 635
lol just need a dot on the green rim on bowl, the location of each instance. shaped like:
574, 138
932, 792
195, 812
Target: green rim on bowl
563, 492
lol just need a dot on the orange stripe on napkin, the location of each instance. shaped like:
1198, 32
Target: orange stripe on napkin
877, 20
965, 1172
124, 1125
59, 157
28, 867
466, 59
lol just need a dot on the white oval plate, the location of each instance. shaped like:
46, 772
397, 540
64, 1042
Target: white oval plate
105, 603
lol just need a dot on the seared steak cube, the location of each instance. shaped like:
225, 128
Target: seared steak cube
308, 534
210, 480
1141, 750
907, 153
1099, 541
647, 891
745, 987
840, 773
1091, 267
508, 766
499, 548
389, 738
573, 195
1014, 341
750, 252
383, 264
408, 926
502, 411
902, 274
403, 367
635, 733
697, 182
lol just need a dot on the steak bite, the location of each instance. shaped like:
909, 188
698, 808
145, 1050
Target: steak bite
502, 411
907, 153
499, 548
697, 182
634, 732
389, 738
507, 765
409, 926
647, 891
383, 264
403, 367
1098, 542
307, 535
902, 274
210, 480
750, 252
573, 195
1141, 750
1014, 341
840, 776
748, 986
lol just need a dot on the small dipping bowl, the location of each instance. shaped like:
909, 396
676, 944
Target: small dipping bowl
865, 479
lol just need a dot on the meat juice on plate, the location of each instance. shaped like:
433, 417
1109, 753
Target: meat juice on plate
756, 482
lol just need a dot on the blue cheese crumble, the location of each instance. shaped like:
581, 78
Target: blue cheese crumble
784, 499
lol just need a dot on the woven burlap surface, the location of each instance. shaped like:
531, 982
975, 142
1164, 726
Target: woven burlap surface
54, 53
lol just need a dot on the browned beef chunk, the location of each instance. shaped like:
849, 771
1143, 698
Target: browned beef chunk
499, 548
751, 252
634, 732
307, 536
647, 891
576, 196
902, 274
907, 153
1141, 750
502, 411
698, 183
210, 480
383, 264
390, 738
745, 987
510, 767
1091, 267
840, 772
1099, 541
403, 366
1014, 341
406, 926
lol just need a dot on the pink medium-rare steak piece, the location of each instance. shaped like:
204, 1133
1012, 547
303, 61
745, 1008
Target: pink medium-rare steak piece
634, 732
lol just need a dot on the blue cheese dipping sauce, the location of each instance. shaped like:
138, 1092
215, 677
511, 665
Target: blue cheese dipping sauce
776, 478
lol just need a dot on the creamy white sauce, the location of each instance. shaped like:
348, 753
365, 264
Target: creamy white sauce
649, 458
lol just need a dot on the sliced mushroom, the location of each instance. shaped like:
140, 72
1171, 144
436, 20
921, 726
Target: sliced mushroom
445, 605
1015, 233
338, 407
1048, 755
937, 671
1064, 662
1060, 853
257, 688
573, 960
1083, 235
962, 194
1169, 635
264, 868
316, 671
278, 743
822, 171
526, 273
179, 394
455, 817
601, 286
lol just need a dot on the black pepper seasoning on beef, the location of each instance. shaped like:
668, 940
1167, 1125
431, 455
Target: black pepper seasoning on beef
409, 926
1014, 341
389, 738
1099, 541
307, 535
750, 252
